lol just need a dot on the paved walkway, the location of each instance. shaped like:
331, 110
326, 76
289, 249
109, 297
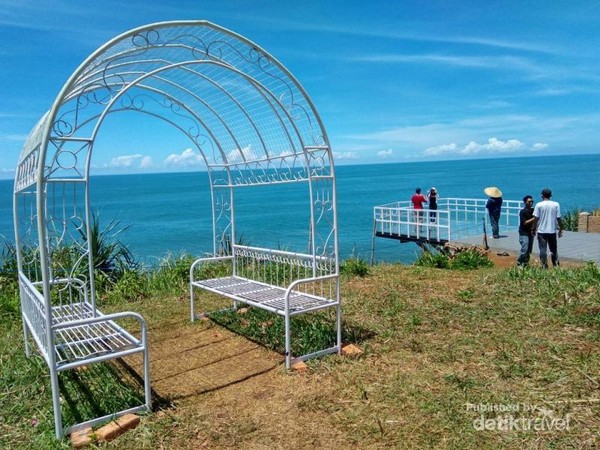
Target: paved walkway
573, 245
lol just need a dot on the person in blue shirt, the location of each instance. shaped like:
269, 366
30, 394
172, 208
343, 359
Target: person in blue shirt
494, 207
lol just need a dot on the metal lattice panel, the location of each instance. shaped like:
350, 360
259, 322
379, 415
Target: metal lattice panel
84, 341
263, 294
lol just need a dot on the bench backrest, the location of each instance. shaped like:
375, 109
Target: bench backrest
66, 293
279, 267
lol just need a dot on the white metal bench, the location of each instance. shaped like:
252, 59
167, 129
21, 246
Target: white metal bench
71, 333
281, 282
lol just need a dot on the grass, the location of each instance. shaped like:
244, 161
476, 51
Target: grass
435, 341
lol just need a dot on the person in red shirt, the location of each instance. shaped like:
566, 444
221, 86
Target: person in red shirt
417, 200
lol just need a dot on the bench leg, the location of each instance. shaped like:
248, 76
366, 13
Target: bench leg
56, 403
339, 327
192, 307
146, 356
26, 337
288, 345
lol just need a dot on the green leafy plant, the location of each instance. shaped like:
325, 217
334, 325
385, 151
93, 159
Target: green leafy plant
355, 266
111, 255
470, 259
437, 260
8, 280
570, 220
172, 273
463, 259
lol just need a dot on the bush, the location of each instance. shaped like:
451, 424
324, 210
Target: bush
9, 300
470, 259
438, 260
355, 266
173, 273
570, 219
132, 285
466, 259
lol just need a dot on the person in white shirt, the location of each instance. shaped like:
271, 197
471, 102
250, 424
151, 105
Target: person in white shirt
547, 222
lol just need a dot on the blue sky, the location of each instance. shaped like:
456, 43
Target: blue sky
393, 80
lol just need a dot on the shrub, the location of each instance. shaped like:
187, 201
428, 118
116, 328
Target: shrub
355, 266
438, 260
462, 259
9, 301
173, 273
570, 219
131, 285
470, 259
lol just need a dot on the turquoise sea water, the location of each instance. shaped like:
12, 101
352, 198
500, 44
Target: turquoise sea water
171, 212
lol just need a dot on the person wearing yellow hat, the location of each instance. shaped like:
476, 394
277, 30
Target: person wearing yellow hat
494, 207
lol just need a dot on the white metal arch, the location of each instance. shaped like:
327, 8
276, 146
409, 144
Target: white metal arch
247, 115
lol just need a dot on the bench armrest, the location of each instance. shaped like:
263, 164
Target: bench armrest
201, 261
308, 280
296, 283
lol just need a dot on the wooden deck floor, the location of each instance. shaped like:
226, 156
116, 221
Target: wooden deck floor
573, 245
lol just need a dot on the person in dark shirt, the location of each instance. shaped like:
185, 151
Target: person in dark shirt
432, 196
526, 231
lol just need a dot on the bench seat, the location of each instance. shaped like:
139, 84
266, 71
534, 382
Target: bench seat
77, 342
262, 295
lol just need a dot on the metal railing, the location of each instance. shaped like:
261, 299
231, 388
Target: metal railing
413, 224
454, 218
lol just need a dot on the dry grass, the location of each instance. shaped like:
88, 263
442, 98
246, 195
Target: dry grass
441, 340
437, 341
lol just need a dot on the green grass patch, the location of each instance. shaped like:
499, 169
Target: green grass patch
309, 332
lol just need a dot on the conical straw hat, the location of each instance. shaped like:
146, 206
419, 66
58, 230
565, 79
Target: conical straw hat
493, 191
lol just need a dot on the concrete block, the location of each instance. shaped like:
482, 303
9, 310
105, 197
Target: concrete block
300, 367
81, 438
116, 428
351, 350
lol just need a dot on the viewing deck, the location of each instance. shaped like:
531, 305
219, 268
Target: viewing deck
463, 221
455, 219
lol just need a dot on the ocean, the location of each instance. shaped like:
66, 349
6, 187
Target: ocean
170, 212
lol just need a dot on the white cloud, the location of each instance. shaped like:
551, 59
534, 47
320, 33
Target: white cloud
15, 137
385, 153
146, 162
129, 160
493, 146
441, 149
345, 155
235, 155
187, 158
